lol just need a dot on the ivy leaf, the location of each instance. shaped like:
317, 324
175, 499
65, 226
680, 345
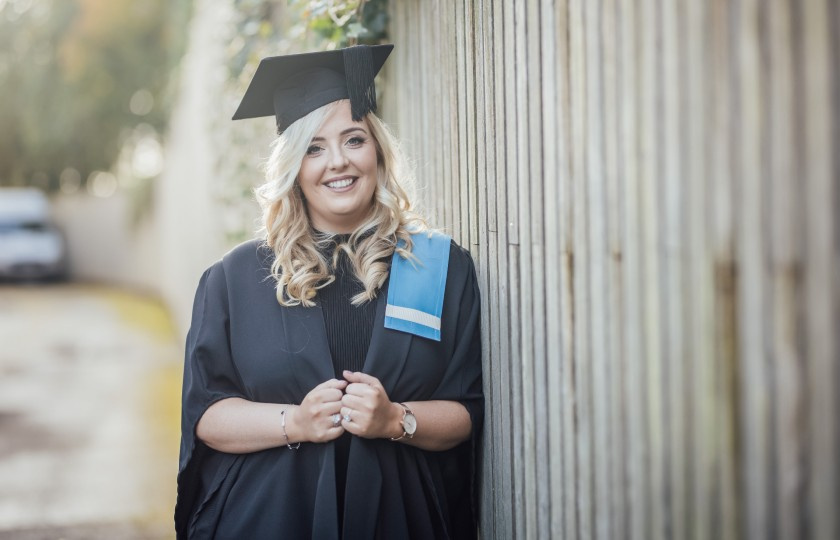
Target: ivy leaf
356, 30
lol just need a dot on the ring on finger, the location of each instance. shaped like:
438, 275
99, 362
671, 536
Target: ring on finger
347, 417
336, 419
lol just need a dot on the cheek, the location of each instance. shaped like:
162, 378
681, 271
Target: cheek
308, 176
371, 164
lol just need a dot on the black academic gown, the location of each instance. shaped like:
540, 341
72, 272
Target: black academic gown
242, 343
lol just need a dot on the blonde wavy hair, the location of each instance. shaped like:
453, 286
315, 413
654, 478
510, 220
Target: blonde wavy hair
299, 268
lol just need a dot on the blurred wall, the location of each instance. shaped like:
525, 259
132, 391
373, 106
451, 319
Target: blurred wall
106, 243
189, 219
650, 191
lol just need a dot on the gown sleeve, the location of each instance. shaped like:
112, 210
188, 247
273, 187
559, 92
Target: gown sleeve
209, 376
463, 383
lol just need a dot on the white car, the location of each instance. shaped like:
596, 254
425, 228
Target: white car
31, 247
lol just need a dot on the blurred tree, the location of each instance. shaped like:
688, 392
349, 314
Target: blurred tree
76, 76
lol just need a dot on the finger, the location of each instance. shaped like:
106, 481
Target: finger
331, 383
351, 427
328, 409
328, 395
360, 389
332, 433
359, 377
358, 424
354, 402
351, 416
360, 417
334, 419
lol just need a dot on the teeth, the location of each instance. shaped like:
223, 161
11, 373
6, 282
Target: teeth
338, 184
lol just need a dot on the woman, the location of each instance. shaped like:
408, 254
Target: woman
332, 384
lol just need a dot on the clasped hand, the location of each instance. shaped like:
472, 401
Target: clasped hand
360, 400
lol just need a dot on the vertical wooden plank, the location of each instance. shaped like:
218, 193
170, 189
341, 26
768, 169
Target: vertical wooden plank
820, 275
750, 173
411, 94
511, 197
387, 97
511, 62
470, 220
521, 463
421, 97
422, 123
485, 183
450, 20
439, 112
782, 222
525, 261
487, 87
650, 260
505, 498
403, 128
596, 255
671, 218
635, 387
697, 283
532, 184
408, 131
568, 396
830, 525
442, 112
722, 431
460, 133
580, 272
552, 154
464, 71
615, 350
446, 54
488, 478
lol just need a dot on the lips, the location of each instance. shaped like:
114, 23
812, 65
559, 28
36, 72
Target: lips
341, 183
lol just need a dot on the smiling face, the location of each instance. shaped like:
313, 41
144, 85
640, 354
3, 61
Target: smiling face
338, 173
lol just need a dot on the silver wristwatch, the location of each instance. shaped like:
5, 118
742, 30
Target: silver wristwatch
409, 423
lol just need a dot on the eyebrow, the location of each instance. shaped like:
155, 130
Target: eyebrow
343, 133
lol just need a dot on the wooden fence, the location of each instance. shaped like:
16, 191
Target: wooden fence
651, 191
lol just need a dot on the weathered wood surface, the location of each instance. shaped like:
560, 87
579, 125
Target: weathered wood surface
651, 191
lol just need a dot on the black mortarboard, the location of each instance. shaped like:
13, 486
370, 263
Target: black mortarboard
292, 86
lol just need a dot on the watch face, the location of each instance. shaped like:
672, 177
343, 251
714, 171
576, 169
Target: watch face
410, 424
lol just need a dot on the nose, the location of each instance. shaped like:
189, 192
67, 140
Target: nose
337, 159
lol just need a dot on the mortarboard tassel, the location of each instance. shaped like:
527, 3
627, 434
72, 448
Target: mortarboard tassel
359, 74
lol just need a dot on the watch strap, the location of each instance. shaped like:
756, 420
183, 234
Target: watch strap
406, 411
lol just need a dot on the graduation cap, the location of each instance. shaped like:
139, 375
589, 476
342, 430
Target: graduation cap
294, 85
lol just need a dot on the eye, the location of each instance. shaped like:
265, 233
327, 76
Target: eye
355, 141
313, 150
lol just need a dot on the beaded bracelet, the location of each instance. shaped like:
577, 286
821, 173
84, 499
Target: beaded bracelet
283, 424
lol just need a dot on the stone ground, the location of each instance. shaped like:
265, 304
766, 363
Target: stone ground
89, 405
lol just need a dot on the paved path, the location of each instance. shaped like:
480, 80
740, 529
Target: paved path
89, 384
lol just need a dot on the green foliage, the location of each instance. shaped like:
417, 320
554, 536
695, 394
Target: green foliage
341, 23
76, 76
